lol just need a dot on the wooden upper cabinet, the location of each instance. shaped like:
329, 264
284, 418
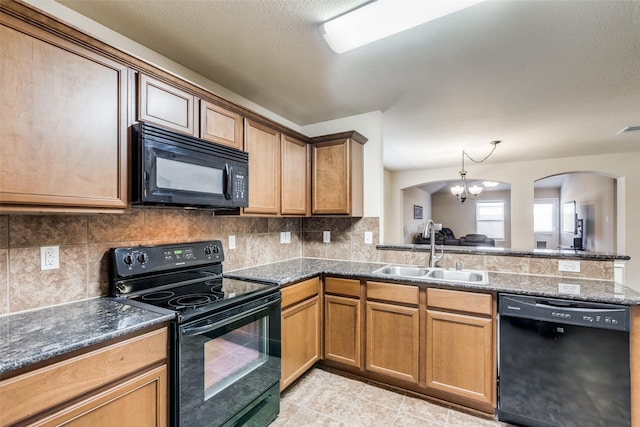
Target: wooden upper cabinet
296, 177
337, 175
63, 123
220, 125
263, 145
166, 105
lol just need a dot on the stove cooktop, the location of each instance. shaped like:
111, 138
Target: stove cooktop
183, 278
219, 291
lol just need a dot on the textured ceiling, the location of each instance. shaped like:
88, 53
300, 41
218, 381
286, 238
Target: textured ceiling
548, 78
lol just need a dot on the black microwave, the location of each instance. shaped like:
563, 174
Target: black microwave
171, 169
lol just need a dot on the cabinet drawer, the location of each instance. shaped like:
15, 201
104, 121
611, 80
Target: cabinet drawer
469, 302
300, 291
393, 292
33, 392
349, 287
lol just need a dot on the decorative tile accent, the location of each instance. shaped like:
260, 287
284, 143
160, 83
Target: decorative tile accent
597, 269
202, 226
98, 269
166, 225
543, 266
117, 228
43, 230
29, 287
312, 245
507, 264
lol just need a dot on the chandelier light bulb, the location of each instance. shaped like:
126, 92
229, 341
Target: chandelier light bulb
475, 190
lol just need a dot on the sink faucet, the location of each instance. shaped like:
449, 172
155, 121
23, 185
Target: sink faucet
430, 230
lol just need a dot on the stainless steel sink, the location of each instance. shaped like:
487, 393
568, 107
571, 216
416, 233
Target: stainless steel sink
402, 270
464, 276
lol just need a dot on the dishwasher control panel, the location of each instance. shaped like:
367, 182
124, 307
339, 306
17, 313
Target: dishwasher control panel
581, 313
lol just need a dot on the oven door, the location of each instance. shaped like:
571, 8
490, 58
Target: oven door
228, 366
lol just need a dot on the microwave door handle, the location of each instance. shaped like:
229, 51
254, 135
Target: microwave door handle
228, 190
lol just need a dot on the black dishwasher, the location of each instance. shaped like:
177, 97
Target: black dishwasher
563, 362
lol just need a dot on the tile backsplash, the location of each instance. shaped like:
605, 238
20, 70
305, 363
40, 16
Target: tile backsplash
85, 239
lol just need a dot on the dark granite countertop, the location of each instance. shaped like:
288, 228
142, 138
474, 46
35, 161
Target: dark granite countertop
288, 272
33, 336
532, 253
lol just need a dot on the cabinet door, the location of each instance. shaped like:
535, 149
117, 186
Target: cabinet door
63, 122
220, 125
300, 339
141, 401
165, 105
460, 356
393, 339
296, 174
263, 145
337, 178
331, 186
342, 330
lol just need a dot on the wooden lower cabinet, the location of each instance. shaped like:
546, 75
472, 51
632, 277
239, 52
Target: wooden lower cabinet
122, 384
301, 329
140, 401
393, 340
342, 330
461, 358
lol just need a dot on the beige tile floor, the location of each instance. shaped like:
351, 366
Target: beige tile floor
322, 398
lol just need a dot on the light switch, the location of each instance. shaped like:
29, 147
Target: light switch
232, 242
368, 237
326, 237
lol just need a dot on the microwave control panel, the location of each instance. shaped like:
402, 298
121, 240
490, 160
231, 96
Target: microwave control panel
240, 185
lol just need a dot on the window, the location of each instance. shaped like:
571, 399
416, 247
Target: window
545, 216
490, 219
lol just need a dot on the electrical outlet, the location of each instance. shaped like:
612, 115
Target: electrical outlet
572, 266
285, 237
49, 257
232, 242
326, 237
368, 237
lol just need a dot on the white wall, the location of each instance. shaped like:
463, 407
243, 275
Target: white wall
595, 205
521, 176
461, 217
415, 196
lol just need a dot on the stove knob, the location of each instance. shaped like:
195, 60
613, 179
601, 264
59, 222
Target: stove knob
128, 259
207, 250
142, 258
216, 250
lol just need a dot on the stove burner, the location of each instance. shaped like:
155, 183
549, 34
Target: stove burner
157, 296
192, 300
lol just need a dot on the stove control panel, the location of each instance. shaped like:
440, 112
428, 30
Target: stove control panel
146, 259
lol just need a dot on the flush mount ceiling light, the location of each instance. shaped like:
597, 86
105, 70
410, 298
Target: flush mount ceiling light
461, 191
382, 18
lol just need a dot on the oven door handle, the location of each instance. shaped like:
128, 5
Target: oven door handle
198, 330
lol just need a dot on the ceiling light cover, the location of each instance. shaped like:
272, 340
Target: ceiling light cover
383, 18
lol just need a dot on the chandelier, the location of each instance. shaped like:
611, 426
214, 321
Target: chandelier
462, 191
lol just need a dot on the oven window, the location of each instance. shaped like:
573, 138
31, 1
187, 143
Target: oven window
234, 355
174, 175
